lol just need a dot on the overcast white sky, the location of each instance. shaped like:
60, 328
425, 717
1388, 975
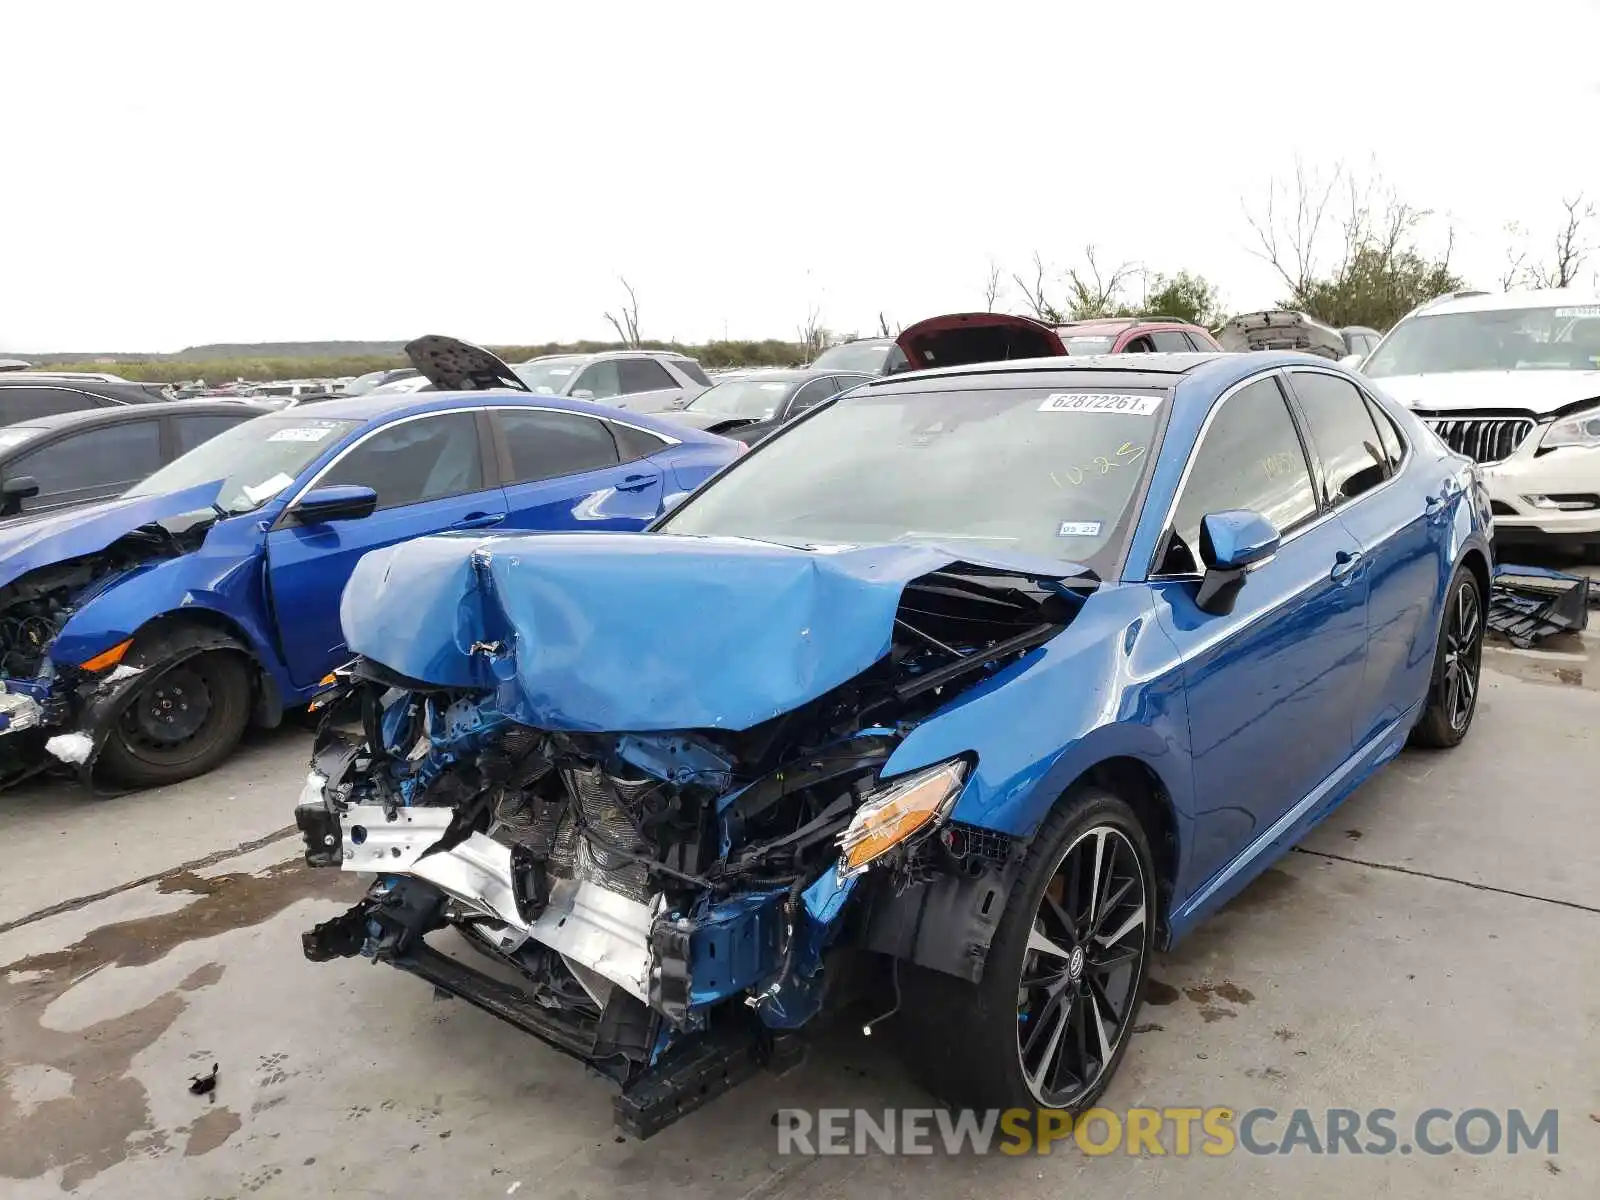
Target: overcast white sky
287, 170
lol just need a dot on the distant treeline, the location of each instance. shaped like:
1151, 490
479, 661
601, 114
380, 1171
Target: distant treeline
253, 364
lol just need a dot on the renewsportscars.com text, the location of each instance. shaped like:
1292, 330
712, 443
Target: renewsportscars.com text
1178, 1132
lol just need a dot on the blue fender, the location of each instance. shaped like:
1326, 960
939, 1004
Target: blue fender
1055, 730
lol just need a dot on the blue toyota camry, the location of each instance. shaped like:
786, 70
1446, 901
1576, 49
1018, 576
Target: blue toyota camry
141, 635
995, 679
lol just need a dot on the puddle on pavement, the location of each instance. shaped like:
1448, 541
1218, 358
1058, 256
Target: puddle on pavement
103, 1117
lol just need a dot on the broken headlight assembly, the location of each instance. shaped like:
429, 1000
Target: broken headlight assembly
897, 812
1580, 429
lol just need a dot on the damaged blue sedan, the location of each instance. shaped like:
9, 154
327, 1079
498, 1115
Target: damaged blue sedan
958, 698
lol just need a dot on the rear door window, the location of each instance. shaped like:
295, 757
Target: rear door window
28, 404
813, 394
547, 445
1342, 433
94, 463
643, 375
599, 380
1170, 341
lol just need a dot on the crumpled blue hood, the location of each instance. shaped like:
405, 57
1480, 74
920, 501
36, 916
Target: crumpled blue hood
638, 632
34, 542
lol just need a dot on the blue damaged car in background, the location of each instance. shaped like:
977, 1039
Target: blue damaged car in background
956, 698
140, 636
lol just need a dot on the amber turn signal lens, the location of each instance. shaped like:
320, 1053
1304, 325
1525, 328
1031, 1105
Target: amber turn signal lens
896, 812
107, 658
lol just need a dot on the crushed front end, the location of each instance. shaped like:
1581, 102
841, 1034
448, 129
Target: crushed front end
660, 903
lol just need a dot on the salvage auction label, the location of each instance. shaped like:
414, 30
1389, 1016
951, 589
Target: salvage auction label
1101, 402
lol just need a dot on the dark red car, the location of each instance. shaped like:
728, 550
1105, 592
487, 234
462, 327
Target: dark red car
959, 338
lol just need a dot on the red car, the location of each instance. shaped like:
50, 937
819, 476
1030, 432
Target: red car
960, 338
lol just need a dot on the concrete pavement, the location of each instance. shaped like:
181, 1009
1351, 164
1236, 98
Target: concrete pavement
1432, 945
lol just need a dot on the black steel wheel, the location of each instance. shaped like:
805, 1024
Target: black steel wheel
1453, 696
1052, 1015
180, 724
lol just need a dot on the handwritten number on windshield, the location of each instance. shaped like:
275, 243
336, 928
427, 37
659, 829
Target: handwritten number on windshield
1125, 455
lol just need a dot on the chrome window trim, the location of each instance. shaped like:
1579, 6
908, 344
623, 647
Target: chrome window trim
445, 412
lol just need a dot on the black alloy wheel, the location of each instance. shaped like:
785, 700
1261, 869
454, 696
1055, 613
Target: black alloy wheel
1083, 965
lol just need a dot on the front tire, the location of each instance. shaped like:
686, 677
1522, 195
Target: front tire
180, 724
1049, 1022
1453, 694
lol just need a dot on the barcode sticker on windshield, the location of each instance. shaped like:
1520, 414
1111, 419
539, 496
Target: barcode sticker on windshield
1101, 402
301, 433
1079, 529
1587, 310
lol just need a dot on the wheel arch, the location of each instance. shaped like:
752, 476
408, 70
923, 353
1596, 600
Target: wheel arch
203, 630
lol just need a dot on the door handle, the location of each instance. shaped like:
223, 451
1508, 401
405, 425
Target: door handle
1344, 563
636, 483
1434, 505
479, 520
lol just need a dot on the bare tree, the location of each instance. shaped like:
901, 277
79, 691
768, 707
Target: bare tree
813, 337
1290, 227
1571, 249
626, 323
1093, 292
883, 327
991, 287
1034, 296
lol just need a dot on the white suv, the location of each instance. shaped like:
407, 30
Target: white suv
1513, 381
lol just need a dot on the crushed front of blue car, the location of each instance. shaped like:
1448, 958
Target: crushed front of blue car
628, 792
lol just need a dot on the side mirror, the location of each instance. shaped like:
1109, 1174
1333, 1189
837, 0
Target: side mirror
583, 394
1232, 544
1351, 361
14, 491
340, 502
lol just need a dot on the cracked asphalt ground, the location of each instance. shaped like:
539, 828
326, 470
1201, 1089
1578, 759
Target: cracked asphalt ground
1432, 945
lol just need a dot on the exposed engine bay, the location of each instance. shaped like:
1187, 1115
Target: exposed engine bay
657, 903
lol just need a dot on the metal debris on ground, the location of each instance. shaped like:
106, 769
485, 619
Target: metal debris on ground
204, 1085
1528, 604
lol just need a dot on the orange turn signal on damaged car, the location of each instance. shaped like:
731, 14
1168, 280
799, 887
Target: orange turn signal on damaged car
107, 658
897, 811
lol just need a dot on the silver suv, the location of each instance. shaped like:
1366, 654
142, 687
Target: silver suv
640, 380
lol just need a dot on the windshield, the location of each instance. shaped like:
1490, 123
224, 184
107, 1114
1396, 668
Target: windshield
1090, 345
1056, 474
549, 375
255, 460
1513, 339
741, 398
854, 356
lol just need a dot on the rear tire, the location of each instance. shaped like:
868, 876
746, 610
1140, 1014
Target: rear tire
1049, 1022
1457, 661
180, 724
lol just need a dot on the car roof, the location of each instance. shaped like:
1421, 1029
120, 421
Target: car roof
1500, 301
1218, 367
592, 355
131, 412
383, 406
787, 375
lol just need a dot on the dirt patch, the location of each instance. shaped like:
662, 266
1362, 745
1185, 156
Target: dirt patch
1204, 993
210, 1131
1158, 993
105, 1118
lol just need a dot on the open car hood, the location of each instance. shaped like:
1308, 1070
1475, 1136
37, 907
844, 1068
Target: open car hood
452, 365
960, 338
26, 545
1281, 329
639, 632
